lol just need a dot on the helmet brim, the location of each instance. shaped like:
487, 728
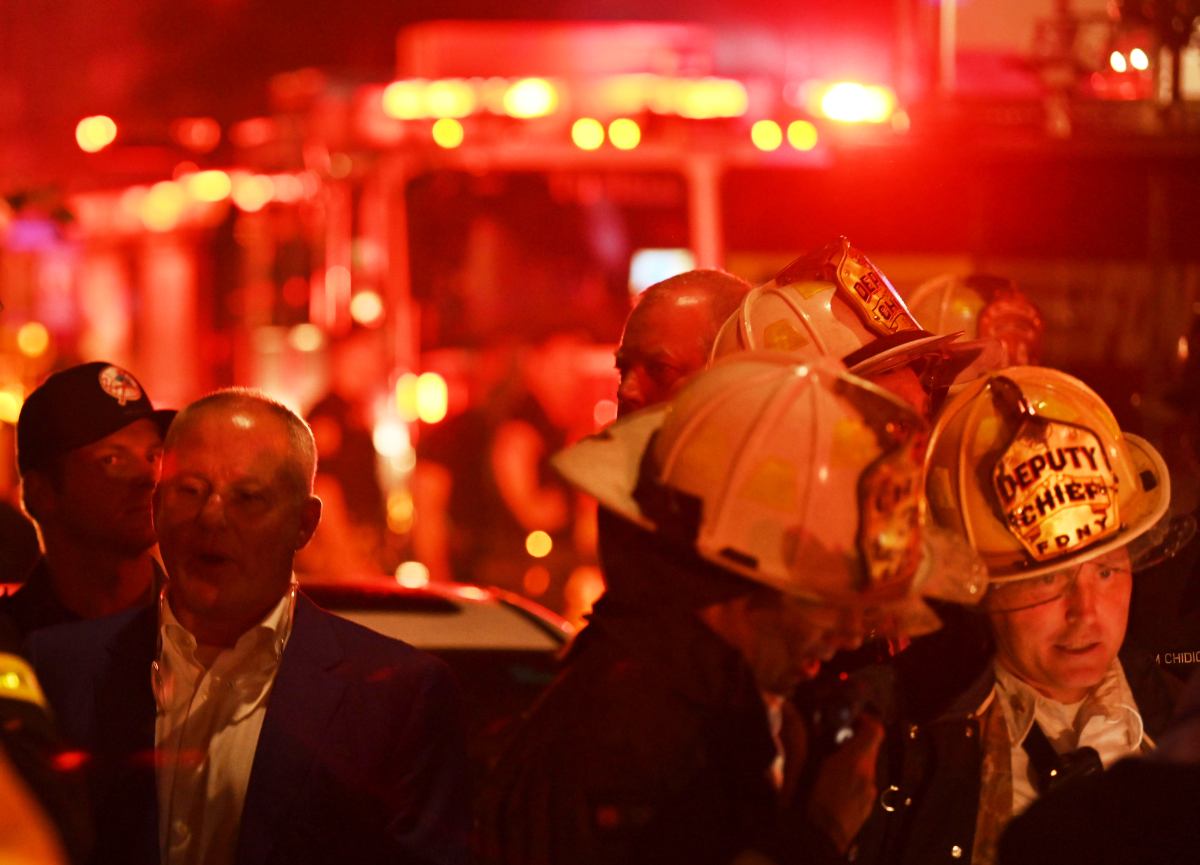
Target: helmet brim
606, 465
907, 352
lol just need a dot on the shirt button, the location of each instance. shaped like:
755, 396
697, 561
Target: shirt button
956, 852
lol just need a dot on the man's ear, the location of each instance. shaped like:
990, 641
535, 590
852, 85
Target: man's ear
310, 517
38, 494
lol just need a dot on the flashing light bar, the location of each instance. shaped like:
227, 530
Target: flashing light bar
693, 98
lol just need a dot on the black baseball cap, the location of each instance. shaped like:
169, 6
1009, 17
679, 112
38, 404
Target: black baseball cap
77, 406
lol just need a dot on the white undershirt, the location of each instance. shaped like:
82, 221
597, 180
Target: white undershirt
207, 731
1107, 719
774, 705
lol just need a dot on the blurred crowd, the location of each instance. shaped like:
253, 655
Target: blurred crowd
862, 581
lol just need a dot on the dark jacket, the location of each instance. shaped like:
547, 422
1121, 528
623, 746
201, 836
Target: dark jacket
35, 605
360, 757
653, 746
1141, 810
930, 771
1164, 611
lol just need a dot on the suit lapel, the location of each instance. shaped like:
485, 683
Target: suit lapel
126, 791
305, 695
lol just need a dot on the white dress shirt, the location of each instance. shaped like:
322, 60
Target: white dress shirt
1107, 719
206, 732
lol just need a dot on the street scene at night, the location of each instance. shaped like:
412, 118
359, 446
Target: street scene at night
572, 434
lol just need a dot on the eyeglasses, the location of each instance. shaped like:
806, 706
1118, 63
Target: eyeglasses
1035, 591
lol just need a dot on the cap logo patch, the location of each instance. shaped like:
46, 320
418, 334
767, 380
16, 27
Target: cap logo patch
1056, 488
120, 385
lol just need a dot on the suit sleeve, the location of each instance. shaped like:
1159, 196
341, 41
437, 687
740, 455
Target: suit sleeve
431, 811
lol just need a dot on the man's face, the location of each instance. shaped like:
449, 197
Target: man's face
107, 488
665, 341
789, 638
1063, 647
230, 519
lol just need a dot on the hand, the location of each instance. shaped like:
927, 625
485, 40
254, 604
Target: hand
844, 792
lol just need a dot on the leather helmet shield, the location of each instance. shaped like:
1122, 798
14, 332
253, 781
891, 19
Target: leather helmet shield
859, 284
1056, 488
890, 500
889, 491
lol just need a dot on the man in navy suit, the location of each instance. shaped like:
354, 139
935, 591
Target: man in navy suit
236, 722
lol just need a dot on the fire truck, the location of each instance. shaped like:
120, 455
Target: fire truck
516, 183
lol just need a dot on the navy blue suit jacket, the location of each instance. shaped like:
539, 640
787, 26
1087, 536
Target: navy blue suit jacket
361, 756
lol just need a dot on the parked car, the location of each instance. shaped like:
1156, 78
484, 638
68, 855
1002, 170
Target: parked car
503, 648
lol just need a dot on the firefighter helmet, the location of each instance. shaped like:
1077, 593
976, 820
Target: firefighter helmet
798, 476
988, 308
1029, 465
833, 302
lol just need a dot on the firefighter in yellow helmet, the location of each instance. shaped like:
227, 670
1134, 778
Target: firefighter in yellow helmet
767, 516
983, 307
834, 302
1029, 466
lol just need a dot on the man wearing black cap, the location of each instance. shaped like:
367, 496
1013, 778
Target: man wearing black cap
89, 444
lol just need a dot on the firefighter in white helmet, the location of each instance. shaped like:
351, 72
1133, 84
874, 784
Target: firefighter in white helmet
834, 302
1029, 466
767, 516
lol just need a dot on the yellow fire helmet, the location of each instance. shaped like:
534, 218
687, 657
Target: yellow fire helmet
983, 307
18, 681
1028, 464
833, 302
801, 477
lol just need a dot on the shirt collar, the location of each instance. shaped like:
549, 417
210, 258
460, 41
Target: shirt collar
260, 647
1110, 699
272, 631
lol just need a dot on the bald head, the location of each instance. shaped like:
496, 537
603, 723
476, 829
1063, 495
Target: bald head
720, 291
669, 333
301, 463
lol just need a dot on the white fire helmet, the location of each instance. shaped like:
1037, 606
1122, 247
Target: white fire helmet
835, 303
1029, 465
991, 309
801, 477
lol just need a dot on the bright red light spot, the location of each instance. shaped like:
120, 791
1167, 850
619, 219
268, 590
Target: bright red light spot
70, 761
197, 134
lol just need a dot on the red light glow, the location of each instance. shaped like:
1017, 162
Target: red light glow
69, 761
197, 134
